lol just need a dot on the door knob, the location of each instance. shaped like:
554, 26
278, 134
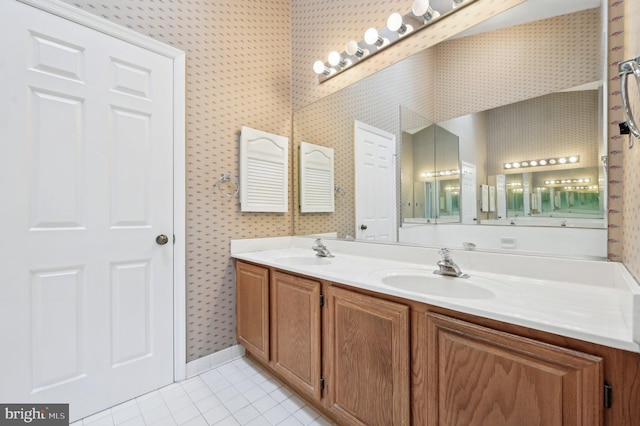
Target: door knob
162, 239
363, 227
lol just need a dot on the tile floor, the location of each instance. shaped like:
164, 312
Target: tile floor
236, 393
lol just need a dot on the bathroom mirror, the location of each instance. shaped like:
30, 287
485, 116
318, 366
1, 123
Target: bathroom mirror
474, 87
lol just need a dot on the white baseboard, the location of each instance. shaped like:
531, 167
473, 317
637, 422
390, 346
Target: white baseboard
214, 360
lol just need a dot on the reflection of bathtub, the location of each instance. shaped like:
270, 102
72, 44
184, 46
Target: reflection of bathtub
570, 222
562, 241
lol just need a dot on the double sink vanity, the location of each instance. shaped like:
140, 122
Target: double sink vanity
372, 336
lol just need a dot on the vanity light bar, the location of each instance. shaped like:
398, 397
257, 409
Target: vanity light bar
565, 181
557, 161
441, 173
398, 26
574, 188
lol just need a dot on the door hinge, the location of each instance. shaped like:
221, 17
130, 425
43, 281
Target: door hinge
321, 382
607, 395
322, 300
174, 238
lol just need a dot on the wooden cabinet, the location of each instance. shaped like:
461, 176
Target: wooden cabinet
368, 359
394, 362
252, 308
295, 331
480, 376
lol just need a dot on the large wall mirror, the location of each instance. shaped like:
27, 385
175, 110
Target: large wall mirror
499, 138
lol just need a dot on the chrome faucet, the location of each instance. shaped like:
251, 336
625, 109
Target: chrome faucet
448, 267
320, 249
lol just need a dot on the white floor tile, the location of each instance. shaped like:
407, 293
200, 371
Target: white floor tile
135, 421
149, 404
186, 414
97, 416
200, 393
236, 404
254, 394
121, 415
166, 421
292, 404
180, 403
192, 384
306, 415
276, 415
208, 403
156, 414
102, 421
265, 403
280, 394
290, 421
196, 421
228, 421
246, 414
239, 392
216, 414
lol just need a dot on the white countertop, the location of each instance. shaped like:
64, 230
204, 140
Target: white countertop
591, 301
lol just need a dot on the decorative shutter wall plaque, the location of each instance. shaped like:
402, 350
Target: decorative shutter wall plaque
263, 171
316, 179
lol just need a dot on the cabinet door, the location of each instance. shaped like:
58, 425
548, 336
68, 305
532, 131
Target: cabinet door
252, 308
479, 376
295, 331
368, 351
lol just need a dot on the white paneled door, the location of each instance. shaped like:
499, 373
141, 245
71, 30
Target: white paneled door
86, 186
375, 156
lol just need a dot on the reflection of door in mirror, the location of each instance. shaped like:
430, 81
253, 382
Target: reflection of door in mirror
375, 153
430, 166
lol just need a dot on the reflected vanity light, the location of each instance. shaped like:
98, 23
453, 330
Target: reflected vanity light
451, 172
565, 181
544, 162
581, 188
398, 26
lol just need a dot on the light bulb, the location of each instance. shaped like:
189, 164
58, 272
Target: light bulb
533, 163
334, 58
394, 22
353, 49
543, 162
507, 166
420, 7
573, 159
371, 37
562, 160
320, 68
516, 165
552, 161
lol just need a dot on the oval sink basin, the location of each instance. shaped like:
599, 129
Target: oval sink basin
310, 260
425, 282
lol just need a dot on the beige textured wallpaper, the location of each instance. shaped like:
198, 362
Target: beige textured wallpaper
525, 61
238, 73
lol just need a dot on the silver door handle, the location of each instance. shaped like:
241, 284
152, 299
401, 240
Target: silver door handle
162, 239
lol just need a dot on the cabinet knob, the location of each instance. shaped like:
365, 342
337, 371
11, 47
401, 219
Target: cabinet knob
162, 239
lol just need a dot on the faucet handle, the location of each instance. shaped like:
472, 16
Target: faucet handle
319, 242
445, 253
